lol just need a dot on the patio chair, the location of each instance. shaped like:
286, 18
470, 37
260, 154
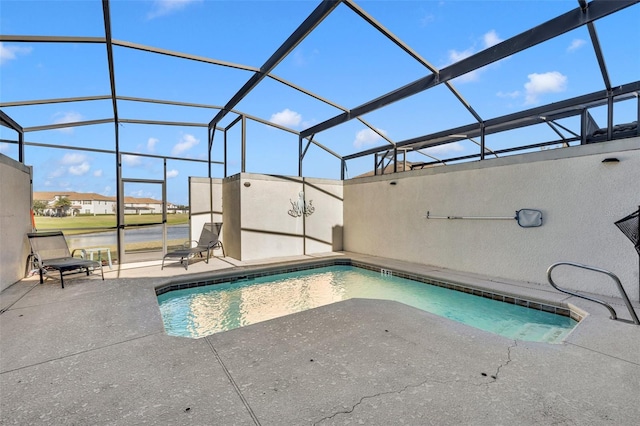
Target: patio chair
209, 240
49, 251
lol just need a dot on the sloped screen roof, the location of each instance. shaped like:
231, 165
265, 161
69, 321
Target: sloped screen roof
256, 85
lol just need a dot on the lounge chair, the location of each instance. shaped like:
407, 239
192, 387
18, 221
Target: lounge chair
207, 243
49, 250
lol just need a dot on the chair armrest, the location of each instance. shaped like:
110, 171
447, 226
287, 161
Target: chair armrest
83, 253
37, 260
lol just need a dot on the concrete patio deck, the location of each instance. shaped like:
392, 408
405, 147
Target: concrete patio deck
96, 353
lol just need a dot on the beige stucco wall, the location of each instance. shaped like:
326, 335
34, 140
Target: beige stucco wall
580, 198
232, 221
205, 204
15, 219
256, 207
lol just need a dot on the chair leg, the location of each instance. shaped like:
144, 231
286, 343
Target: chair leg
61, 279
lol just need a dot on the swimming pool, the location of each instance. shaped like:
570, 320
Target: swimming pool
204, 310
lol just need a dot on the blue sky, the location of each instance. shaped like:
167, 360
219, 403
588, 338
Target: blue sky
344, 60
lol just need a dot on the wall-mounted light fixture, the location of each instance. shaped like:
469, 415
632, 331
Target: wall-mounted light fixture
610, 160
247, 184
393, 182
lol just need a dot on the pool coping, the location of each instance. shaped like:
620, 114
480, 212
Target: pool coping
251, 272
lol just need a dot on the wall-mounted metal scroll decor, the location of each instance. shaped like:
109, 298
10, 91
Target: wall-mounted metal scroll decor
527, 218
301, 207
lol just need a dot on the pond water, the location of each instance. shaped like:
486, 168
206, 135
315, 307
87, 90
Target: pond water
138, 235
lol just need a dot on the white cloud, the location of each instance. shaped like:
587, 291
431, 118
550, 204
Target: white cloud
66, 117
286, 117
172, 173
491, 39
510, 95
427, 19
8, 53
309, 123
302, 58
73, 159
139, 193
167, 7
538, 84
443, 149
98, 173
576, 44
131, 160
455, 56
80, 169
186, 143
151, 144
57, 173
367, 137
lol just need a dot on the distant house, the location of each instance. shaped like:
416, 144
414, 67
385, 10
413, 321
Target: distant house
81, 203
134, 205
94, 204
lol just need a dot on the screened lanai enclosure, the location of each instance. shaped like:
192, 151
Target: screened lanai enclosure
131, 98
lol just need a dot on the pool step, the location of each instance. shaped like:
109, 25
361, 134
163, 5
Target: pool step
542, 333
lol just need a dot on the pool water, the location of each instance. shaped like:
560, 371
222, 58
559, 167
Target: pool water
201, 311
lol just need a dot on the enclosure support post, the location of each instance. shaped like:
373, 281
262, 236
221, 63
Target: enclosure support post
244, 144
482, 141
300, 155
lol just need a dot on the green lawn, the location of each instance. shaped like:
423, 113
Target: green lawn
83, 224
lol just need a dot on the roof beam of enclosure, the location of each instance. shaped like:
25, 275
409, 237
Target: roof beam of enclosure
546, 31
277, 126
313, 20
181, 55
388, 34
555, 111
212, 61
249, 116
584, 6
167, 102
51, 39
54, 101
66, 125
163, 123
112, 76
9, 122
111, 151
598, 51
166, 52
328, 102
114, 101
